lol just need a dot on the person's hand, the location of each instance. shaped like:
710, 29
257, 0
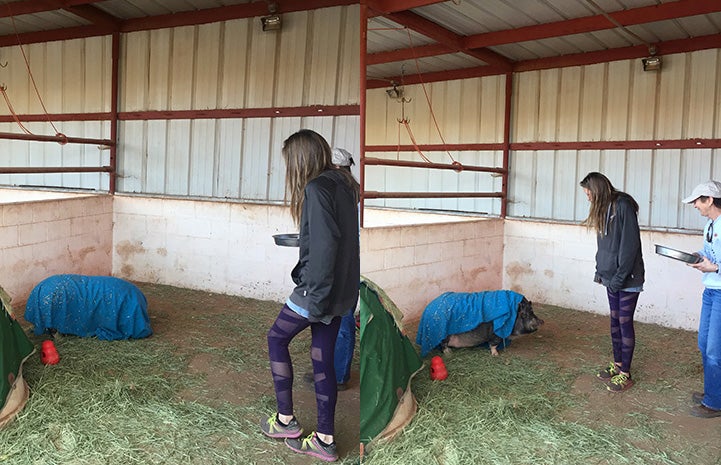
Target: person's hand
705, 265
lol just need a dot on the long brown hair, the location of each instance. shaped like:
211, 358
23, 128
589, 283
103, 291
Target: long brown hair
307, 155
603, 194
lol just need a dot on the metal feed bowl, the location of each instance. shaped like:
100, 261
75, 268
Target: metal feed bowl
287, 240
678, 254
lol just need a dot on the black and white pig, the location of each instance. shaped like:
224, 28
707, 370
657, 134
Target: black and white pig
526, 322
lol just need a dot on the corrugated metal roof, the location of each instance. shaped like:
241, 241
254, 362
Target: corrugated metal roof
514, 32
84, 18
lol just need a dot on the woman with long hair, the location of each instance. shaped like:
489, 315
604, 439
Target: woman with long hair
323, 203
619, 267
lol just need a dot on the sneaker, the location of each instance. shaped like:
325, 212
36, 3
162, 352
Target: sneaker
310, 445
609, 372
619, 383
697, 397
272, 428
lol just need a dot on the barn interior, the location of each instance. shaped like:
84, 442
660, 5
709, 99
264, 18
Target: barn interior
168, 117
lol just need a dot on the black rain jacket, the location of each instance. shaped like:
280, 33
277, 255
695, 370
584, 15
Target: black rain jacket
619, 261
327, 275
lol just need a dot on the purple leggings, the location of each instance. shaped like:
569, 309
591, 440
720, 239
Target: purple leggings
623, 336
286, 327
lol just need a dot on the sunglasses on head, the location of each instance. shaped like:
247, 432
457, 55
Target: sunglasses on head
709, 233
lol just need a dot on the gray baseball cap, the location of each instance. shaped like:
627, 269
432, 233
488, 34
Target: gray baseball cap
342, 157
706, 189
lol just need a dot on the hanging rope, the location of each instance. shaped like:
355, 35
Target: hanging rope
12, 111
425, 92
32, 79
403, 120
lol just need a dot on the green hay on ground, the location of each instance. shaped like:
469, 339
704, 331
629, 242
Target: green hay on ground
119, 403
503, 410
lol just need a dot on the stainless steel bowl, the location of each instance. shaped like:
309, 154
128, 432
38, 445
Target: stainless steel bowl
287, 240
678, 254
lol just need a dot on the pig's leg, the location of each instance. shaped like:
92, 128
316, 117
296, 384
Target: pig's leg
493, 344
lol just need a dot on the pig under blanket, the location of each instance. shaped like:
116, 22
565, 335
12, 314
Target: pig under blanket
458, 312
102, 306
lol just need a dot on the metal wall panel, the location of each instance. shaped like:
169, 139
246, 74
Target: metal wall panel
313, 60
614, 101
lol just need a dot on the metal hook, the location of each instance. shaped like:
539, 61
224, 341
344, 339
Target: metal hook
4, 65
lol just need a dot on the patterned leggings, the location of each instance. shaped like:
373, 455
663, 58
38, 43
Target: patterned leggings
623, 336
286, 327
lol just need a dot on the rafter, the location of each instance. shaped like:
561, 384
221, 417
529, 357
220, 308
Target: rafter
635, 16
579, 59
104, 24
27, 7
455, 42
95, 16
392, 6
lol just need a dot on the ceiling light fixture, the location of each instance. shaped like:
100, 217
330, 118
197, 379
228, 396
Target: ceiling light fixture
652, 63
395, 92
272, 22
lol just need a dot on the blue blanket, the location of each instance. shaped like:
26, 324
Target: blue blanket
103, 306
458, 312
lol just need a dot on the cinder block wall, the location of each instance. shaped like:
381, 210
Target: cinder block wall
555, 263
415, 263
40, 238
219, 247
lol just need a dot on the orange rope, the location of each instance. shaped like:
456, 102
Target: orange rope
12, 111
413, 140
425, 92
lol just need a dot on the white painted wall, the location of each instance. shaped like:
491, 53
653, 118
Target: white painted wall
228, 248
219, 247
554, 264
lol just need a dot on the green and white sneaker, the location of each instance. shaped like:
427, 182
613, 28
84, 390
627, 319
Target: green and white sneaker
310, 445
272, 428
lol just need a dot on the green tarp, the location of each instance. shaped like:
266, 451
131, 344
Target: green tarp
15, 348
388, 362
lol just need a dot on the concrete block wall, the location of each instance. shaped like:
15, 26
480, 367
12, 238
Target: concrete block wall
219, 247
228, 248
555, 263
40, 238
416, 262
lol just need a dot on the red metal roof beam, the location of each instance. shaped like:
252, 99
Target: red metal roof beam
448, 38
579, 59
95, 16
420, 51
463, 73
39, 6
225, 13
649, 14
392, 6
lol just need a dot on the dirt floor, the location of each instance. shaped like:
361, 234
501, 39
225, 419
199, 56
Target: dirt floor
654, 413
